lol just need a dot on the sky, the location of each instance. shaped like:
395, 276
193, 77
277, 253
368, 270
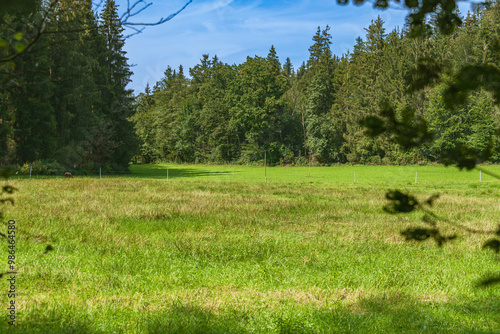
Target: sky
235, 29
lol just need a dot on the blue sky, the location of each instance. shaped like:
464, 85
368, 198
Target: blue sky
235, 29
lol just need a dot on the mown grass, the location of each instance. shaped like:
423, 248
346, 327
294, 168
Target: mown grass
209, 251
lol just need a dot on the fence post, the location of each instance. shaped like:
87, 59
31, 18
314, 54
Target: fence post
30, 171
265, 166
310, 157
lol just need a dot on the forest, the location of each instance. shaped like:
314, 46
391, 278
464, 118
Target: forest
66, 101
221, 113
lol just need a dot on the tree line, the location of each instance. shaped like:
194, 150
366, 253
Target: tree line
221, 113
65, 100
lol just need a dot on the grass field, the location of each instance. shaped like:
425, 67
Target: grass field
214, 249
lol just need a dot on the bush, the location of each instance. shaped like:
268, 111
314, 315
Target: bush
376, 160
301, 161
43, 167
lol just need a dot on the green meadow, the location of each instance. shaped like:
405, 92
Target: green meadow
215, 249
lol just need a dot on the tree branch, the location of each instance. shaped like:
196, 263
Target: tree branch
40, 31
160, 21
129, 13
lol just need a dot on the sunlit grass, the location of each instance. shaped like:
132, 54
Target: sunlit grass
388, 175
209, 251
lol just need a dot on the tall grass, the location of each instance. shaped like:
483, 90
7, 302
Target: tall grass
209, 251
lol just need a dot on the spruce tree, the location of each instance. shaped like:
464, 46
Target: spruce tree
116, 98
74, 69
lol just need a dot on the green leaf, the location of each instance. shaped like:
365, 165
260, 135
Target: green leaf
18, 36
382, 4
24, 5
410, 132
411, 3
20, 47
3, 43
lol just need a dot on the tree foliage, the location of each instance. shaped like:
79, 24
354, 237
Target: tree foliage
65, 98
224, 113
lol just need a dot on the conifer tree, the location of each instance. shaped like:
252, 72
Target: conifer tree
116, 98
74, 69
288, 68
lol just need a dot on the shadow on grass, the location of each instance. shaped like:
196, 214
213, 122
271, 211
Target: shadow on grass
377, 314
160, 172
396, 314
52, 321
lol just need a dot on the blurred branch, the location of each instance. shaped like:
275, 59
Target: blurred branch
40, 27
447, 17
